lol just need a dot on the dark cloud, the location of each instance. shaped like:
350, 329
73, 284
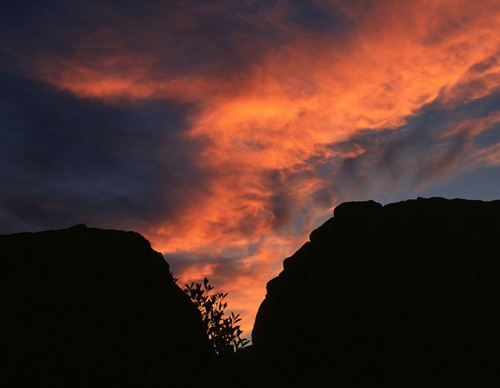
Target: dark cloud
434, 145
328, 18
32, 29
218, 266
178, 37
66, 160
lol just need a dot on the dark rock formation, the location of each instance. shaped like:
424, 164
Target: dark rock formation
95, 308
402, 295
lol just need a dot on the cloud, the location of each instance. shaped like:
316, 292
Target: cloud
434, 146
226, 131
67, 160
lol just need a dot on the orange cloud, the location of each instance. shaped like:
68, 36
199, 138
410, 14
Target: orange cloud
489, 156
264, 126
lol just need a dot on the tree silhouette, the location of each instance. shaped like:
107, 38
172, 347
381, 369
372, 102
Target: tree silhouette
222, 332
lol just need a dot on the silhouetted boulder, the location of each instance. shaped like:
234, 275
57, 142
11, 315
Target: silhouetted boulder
402, 295
95, 308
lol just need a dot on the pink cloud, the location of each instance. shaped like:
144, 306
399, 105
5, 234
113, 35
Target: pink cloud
283, 107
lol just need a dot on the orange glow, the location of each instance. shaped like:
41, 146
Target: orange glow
289, 107
489, 156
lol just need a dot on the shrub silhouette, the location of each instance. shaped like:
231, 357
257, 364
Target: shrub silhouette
222, 332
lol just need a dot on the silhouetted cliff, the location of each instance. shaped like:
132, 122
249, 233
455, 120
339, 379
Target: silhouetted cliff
95, 308
402, 295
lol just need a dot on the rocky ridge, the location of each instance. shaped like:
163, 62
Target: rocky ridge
405, 294
86, 307
401, 295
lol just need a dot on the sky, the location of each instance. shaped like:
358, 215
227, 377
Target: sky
226, 131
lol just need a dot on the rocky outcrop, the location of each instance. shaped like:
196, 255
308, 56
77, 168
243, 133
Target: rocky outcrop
95, 308
402, 295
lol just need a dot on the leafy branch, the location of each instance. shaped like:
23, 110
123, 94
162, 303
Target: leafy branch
222, 331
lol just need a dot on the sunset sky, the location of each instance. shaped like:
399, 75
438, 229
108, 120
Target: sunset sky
226, 131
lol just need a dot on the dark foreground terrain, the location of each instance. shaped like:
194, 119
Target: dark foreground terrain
405, 295
89, 307
402, 295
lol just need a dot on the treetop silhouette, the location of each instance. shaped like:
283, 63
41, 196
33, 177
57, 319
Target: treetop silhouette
223, 332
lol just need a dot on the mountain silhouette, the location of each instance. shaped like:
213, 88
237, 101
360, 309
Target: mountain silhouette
402, 295
84, 307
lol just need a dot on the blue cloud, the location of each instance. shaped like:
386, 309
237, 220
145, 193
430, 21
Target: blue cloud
68, 160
